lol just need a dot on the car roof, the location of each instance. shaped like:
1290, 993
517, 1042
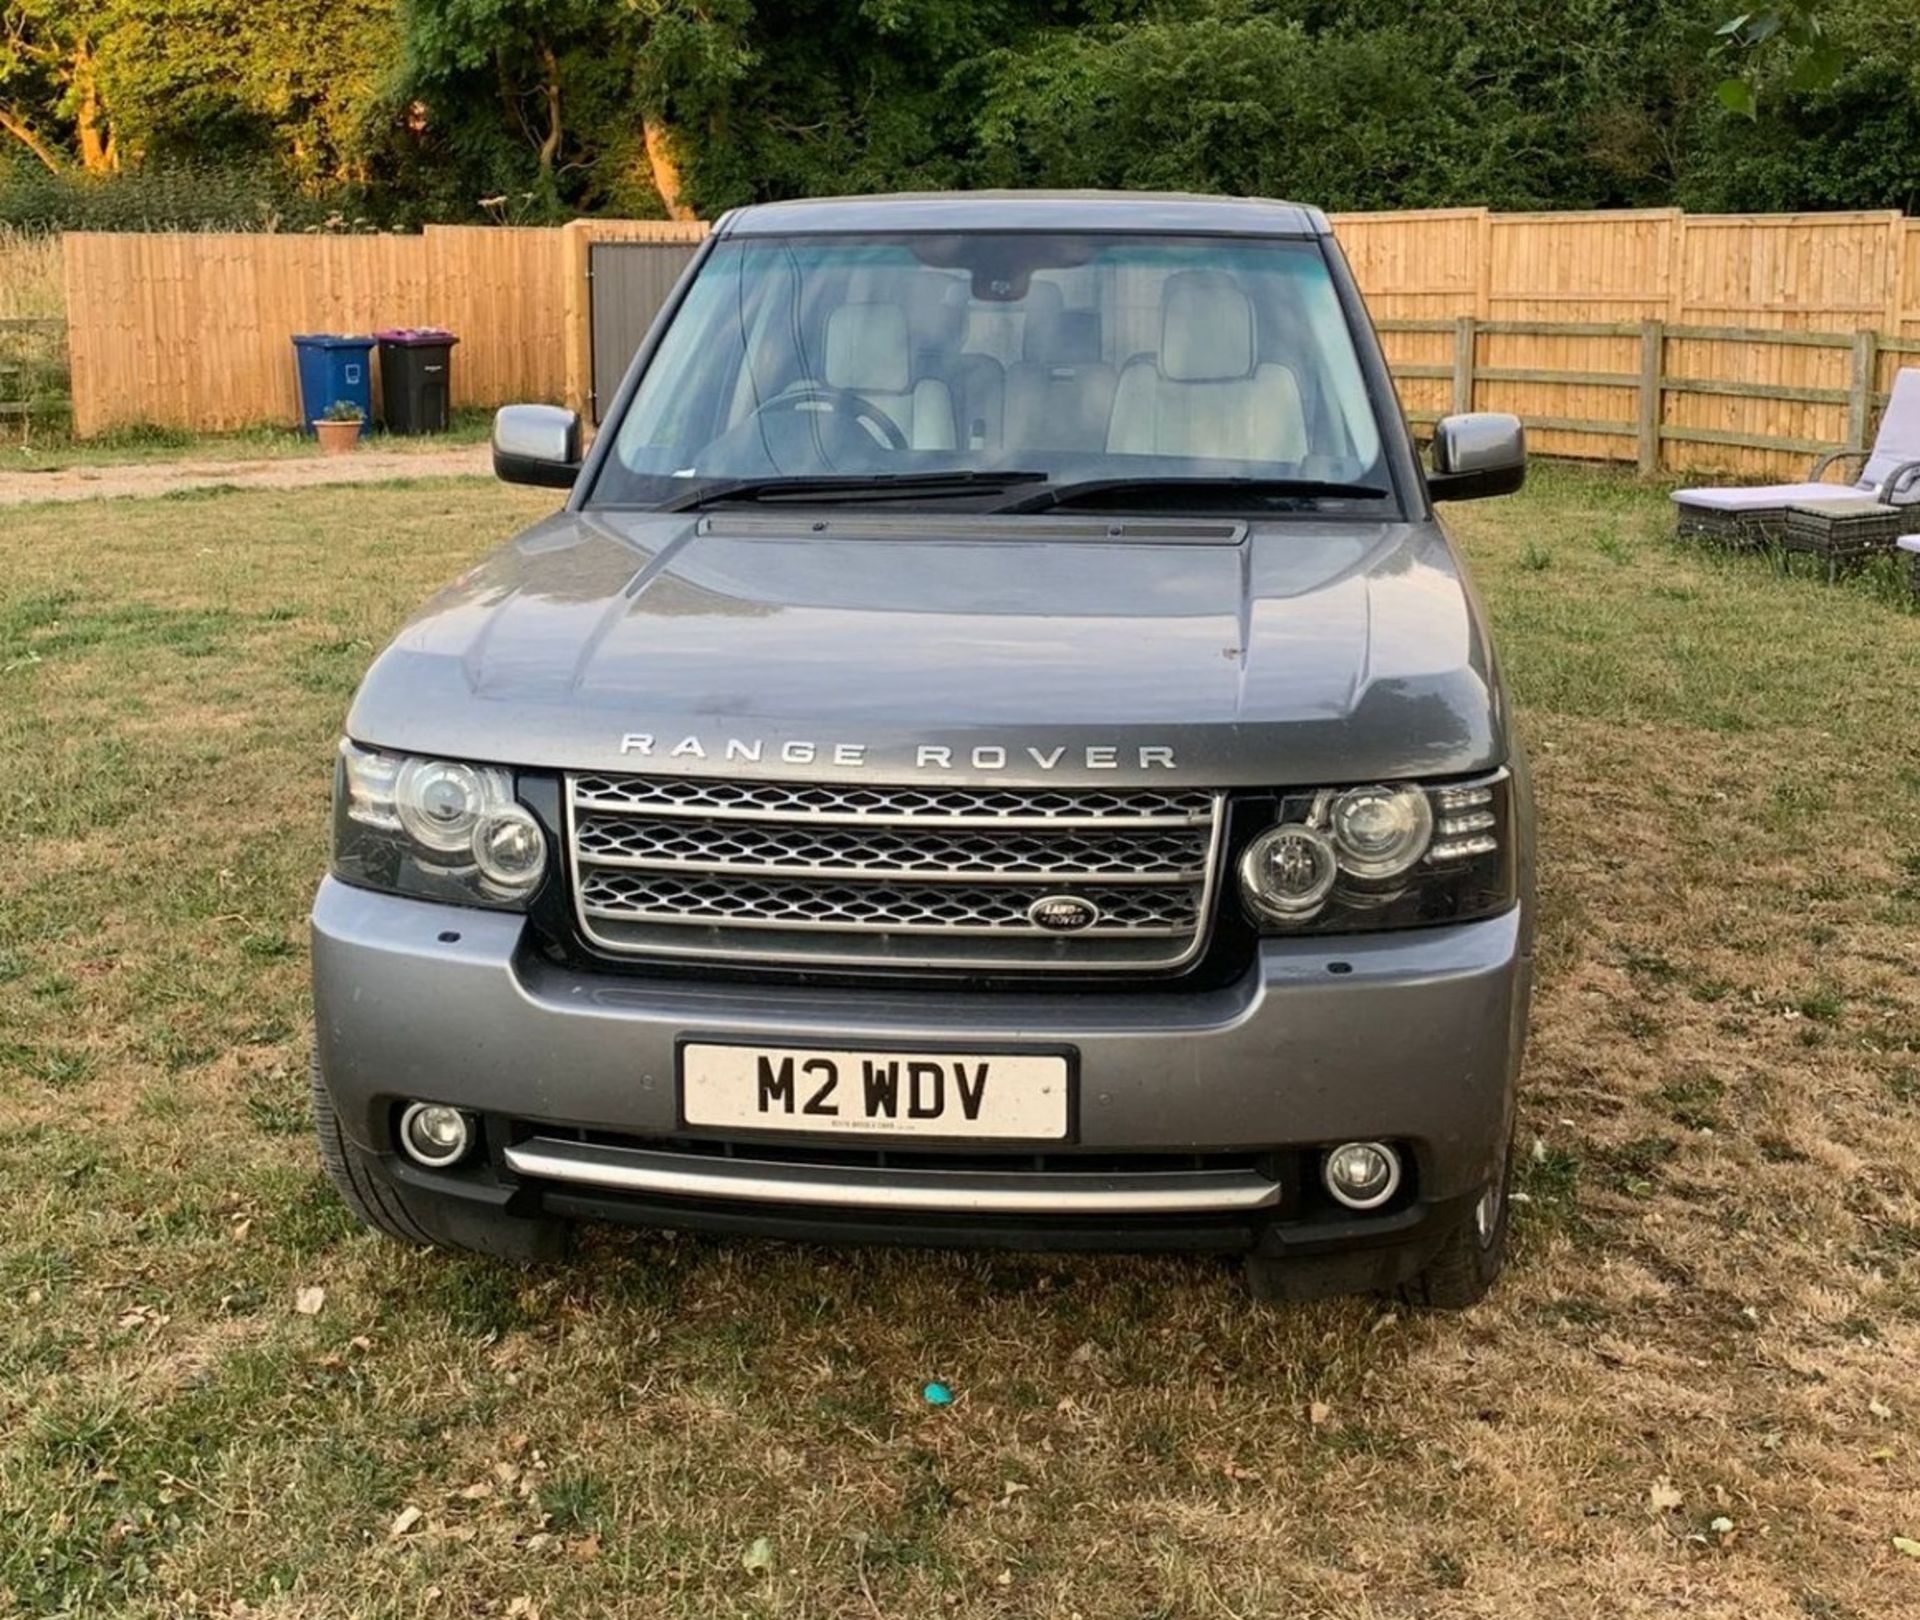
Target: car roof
1160, 212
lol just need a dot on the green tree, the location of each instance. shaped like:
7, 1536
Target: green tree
563, 104
1792, 28
50, 98
403, 110
288, 83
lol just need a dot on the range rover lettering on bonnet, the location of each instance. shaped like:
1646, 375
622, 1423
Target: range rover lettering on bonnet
927, 757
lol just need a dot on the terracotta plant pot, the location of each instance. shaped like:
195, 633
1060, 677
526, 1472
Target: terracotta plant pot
337, 438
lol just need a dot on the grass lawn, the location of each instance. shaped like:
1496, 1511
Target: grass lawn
1695, 1392
52, 453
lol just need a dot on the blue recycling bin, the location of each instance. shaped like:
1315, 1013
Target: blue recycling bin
333, 368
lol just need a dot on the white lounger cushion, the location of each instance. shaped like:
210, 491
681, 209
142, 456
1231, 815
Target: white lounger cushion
1765, 497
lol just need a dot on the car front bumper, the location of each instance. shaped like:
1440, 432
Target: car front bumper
1412, 1037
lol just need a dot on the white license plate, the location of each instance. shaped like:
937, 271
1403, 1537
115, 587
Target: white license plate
875, 1093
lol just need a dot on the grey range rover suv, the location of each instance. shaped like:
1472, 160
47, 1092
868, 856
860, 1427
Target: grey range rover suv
996, 748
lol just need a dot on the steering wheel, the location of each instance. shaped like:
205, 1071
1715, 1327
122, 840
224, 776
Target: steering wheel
816, 404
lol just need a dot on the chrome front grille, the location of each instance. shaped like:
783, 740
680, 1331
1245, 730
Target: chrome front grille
984, 855
842, 802
939, 907
806, 873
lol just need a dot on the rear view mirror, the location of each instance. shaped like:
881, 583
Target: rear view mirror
1477, 454
536, 444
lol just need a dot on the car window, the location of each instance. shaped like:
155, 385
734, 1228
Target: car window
1077, 356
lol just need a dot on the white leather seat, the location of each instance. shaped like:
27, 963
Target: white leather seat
1205, 394
976, 383
1060, 395
869, 354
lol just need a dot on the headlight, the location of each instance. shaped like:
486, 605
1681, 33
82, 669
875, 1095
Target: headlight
440, 803
1383, 856
1381, 831
438, 829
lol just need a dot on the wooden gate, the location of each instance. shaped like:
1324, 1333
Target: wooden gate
628, 283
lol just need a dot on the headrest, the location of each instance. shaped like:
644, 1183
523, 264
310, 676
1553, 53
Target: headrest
867, 349
1062, 337
1043, 303
936, 310
1206, 327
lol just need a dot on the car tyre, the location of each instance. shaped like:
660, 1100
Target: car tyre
1465, 1266
416, 1218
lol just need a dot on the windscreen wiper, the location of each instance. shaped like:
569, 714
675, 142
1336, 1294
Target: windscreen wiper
850, 487
1194, 491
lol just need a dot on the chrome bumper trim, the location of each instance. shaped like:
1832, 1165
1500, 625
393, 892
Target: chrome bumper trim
998, 1192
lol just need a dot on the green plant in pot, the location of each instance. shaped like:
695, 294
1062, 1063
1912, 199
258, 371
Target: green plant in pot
338, 427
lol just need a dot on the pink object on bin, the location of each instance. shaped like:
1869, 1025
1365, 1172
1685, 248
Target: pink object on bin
417, 335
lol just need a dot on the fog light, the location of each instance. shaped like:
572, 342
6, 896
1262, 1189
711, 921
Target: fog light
509, 848
434, 1134
1288, 872
1363, 1175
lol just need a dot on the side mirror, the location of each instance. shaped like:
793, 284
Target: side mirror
1477, 454
536, 444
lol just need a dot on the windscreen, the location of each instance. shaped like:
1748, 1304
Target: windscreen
1071, 356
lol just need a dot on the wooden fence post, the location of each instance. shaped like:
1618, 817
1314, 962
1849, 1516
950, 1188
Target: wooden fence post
1866, 351
576, 307
1463, 344
1653, 343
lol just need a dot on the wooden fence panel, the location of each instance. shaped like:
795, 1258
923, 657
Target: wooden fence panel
1905, 299
1561, 318
1802, 272
195, 330
1586, 267
1810, 273
1704, 424
1796, 273
1417, 266
498, 290
1421, 266
1590, 269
